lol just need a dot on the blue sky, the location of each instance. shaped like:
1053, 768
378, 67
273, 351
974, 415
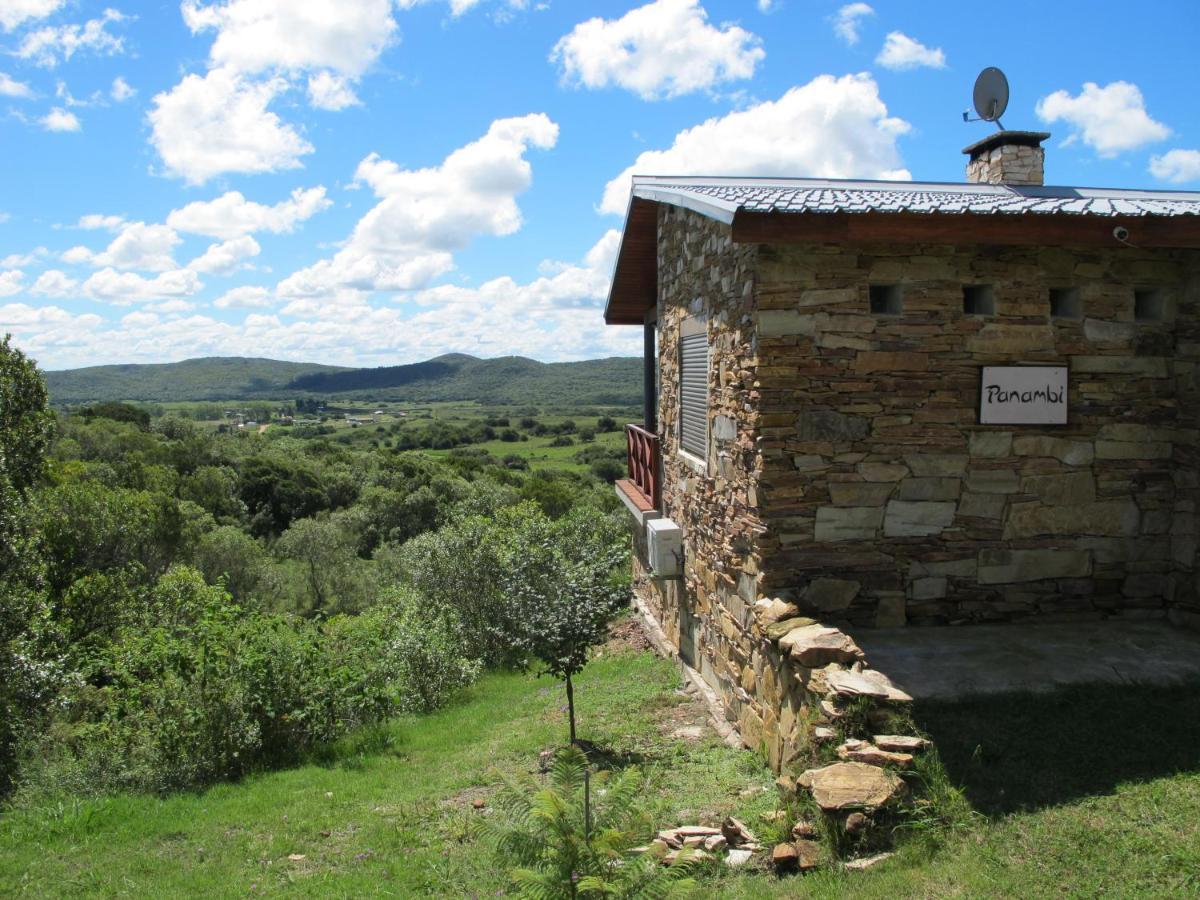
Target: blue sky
374, 182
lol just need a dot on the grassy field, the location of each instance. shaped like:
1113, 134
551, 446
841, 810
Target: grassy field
1084, 794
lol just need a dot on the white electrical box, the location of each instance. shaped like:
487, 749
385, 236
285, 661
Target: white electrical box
665, 542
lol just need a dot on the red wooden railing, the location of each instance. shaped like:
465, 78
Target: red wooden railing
643, 454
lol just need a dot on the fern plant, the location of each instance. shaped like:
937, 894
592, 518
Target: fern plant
570, 843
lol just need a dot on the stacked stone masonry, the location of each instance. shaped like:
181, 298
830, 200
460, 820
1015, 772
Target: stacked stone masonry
847, 474
1008, 164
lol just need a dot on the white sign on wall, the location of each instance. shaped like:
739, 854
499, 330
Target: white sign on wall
1023, 395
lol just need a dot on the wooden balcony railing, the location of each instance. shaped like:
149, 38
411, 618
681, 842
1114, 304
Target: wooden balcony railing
643, 454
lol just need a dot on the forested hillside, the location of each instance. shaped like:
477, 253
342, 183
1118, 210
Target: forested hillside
512, 379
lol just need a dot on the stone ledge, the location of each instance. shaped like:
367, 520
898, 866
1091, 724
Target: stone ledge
636, 502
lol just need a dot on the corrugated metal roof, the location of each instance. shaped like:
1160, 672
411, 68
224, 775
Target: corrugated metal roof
721, 198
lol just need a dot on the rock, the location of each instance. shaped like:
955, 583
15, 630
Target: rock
659, 847
670, 838
936, 464
1107, 518
993, 481
823, 734
859, 493
867, 683
715, 843
856, 823
847, 523
805, 830
687, 831
808, 855
873, 756
736, 833
479, 804
825, 425
816, 646
1063, 489
929, 588
1072, 453
770, 612
831, 710
1013, 566
882, 472
866, 862
785, 858
930, 489
900, 743
991, 444
779, 629
830, 594
851, 785
905, 518
736, 858
696, 840
786, 783
1148, 366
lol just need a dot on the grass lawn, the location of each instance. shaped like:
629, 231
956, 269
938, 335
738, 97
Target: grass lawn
1081, 794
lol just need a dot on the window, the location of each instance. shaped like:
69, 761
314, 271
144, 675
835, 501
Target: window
1149, 305
1065, 303
693, 387
886, 299
979, 300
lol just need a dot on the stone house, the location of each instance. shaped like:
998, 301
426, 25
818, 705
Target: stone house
822, 358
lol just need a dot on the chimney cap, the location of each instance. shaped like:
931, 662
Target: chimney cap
1006, 138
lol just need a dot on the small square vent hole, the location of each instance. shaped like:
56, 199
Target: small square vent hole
1149, 305
979, 300
1065, 303
887, 299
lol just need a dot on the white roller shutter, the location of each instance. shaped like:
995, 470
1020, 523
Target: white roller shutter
693, 393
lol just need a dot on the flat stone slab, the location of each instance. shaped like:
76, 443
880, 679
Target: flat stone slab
851, 785
867, 683
952, 662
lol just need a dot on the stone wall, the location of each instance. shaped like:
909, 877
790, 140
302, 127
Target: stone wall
886, 504
848, 482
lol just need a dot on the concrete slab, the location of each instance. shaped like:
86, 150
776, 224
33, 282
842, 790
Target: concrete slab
955, 662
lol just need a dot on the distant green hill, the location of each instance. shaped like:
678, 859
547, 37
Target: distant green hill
456, 376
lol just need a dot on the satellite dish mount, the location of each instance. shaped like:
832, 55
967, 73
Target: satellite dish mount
990, 97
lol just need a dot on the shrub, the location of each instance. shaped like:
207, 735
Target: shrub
563, 440
571, 841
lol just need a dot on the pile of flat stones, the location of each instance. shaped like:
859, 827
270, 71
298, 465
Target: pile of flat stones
732, 841
833, 671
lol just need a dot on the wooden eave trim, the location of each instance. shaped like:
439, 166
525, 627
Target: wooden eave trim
1029, 229
635, 278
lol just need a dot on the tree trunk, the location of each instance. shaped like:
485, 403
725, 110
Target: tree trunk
571, 707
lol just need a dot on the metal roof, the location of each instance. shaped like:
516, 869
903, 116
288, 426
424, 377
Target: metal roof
826, 210
722, 198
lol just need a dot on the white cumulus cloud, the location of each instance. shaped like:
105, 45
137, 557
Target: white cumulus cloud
121, 90
663, 49
245, 297
1110, 119
137, 246
54, 44
231, 214
218, 123
97, 221
255, 36
17, 12
54, 283
900, 52
848, 21
226, 257
59, 119
828, 128
10, 87
1177, 166
10, 282
424, 215
121, 288
331, 92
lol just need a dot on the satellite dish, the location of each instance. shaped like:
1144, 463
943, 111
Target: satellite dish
991, 95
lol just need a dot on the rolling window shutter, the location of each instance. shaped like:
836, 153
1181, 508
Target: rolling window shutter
693, 394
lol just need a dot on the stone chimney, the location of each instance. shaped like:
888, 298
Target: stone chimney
1007, 157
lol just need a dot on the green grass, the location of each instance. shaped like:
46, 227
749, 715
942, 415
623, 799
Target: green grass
1085, 793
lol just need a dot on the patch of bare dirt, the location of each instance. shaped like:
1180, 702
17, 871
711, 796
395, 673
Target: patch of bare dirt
627, 634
